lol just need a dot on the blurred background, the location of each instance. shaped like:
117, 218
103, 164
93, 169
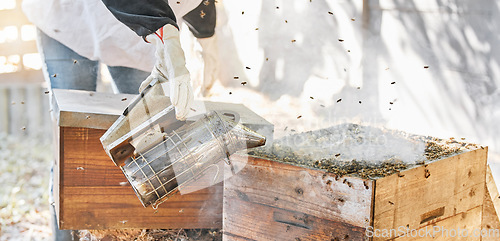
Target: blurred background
25, 130
427, 67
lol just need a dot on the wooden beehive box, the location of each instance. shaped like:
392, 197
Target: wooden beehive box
92, 193
278, 198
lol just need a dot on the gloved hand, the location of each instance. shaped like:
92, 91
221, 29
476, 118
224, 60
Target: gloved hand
171, 68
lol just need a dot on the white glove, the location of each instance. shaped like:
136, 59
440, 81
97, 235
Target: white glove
171, 68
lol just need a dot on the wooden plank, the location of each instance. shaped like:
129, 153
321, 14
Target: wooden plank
89, 109
253, 221
13, 17
57, 169
118, 207
490, 220
22, 77
34, 111
466, 224
85, 162
74, 106
46, 112
18, 118
94, 194
18, 47
443, 189
266, 187
23, 111
4, 109
493, 190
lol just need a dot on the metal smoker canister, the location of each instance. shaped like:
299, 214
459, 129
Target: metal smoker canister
184, 154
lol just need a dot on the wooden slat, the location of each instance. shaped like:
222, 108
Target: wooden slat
46, 112
34, 114
4, 109
85, 162
18, 118
94, 194
18, 47
22, 77
105, 207
13, 17
493, 190
490, 221
469, 220
265, 197
76, 108
251, 221
430, 193
57, 169
104, 108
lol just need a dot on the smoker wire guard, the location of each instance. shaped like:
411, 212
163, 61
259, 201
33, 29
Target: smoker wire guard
216, 133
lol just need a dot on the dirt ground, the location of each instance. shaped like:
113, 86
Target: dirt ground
24, 176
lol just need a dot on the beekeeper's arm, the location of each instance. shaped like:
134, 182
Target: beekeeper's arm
155, 21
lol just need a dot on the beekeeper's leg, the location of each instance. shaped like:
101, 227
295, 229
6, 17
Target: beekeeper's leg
201, 22
65, 69
127, 80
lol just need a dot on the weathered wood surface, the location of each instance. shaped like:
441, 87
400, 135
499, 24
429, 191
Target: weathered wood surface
94, 193
252, 221
428, 194
4, 109
18, 111
275, 201
76, 108
56, 171
490, 221
446, 229
493, 190
260, 199
25, 111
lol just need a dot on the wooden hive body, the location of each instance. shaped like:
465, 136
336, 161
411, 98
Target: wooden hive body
272, 200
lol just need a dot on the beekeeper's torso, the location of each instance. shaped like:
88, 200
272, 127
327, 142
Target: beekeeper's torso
89, 29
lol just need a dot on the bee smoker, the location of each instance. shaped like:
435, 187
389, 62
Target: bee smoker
162, 156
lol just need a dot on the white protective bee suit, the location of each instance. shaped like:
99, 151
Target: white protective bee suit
114, 32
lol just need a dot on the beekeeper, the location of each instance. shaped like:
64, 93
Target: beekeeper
137, 40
